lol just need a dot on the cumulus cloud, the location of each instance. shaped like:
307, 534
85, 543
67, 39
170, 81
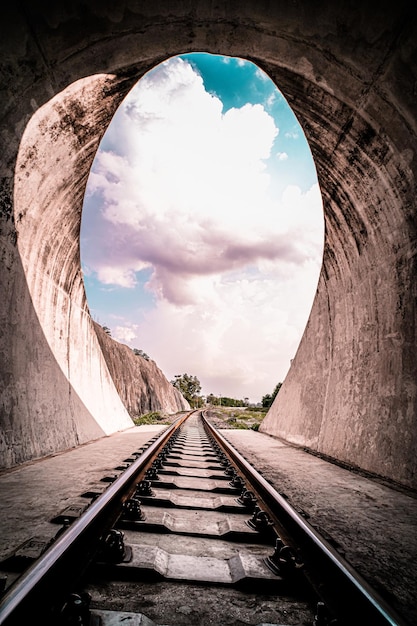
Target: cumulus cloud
189, 193
183, 189
282, 156
125, 333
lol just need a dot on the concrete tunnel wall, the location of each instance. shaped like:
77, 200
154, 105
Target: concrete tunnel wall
349, 73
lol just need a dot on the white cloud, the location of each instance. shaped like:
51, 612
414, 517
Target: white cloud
262, 75
239, 333
109, 275
125, 333
292, 134
273, 97
183, 189
282, 156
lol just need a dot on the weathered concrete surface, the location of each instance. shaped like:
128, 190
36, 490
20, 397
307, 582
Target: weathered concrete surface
58, 390
36, 492
348, 69
140, 383
372, 524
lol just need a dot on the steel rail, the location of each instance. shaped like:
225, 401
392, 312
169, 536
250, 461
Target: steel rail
53, 574
340, 586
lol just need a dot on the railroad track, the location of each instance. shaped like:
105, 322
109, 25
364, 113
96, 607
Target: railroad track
186, 533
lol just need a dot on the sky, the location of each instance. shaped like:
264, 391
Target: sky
202, 226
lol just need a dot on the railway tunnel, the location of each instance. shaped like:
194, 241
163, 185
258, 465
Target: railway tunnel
349, 73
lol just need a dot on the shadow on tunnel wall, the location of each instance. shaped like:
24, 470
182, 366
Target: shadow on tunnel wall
348, 71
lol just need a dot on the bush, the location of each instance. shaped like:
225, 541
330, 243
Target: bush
150, 418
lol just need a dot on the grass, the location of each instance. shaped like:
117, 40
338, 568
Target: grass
150, 418
232, 417
243, 419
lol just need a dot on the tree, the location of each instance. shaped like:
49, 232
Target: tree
107, 330
211, 399
189, 386
141, 353
268, 399
226, 401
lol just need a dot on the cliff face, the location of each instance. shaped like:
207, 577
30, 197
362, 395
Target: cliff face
141, 385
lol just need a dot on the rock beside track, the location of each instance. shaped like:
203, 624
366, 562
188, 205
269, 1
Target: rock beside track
140, 383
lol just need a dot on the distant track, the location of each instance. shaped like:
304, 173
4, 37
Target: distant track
189, 514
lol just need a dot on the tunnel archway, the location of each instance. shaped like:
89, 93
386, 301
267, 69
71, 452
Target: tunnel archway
351, 391
202, 211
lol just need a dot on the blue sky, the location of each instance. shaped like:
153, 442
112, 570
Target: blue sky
236, 84
202, 226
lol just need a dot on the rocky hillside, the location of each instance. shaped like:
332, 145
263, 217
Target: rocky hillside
140, 383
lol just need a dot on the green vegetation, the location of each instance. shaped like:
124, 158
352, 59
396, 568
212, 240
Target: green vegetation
268, 399
245, 419
141, 353
190, 388
225, 401
150, 418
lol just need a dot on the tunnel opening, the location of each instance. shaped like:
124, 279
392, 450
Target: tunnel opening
202, 226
